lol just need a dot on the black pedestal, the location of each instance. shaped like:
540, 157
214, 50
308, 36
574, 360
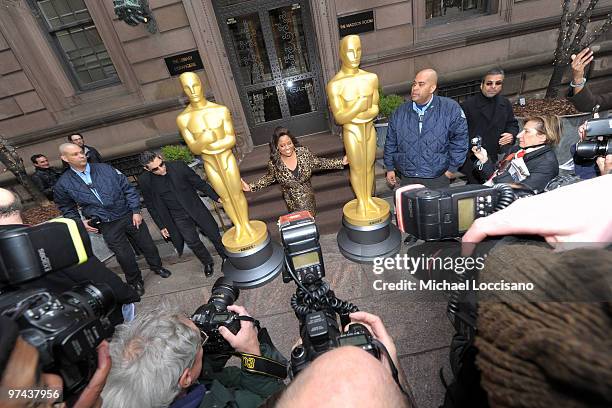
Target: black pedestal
254, 267
363, 244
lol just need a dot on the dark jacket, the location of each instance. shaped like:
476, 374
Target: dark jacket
441, 145
119, 197
185, 183
542, 165
93, 156
230, 386
586, 99
45, 179
489, 118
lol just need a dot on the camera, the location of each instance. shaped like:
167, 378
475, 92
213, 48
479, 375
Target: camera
476, 142
314, 303
65, 329
300, 238
95, 221
599, 133
214, 314
433, 215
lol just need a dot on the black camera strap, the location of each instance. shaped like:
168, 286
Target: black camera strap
259, 364
262, 365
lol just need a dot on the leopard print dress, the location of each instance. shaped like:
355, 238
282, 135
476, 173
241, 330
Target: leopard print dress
297, 191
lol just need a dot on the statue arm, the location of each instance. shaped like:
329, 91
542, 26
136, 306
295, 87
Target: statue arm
229, 139
196, 147
342, 114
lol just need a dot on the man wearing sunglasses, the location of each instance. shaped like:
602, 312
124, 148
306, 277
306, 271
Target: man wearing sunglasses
490, 116
170, 192
111, 206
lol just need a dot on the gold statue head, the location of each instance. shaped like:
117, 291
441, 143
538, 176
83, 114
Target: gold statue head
350, 51
192, 86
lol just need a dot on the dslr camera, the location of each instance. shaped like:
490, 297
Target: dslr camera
67, 328
433, 215
314, 303
214, 314
598, 141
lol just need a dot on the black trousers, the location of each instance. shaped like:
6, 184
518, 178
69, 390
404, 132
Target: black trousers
116, 235
433, 183
188, 229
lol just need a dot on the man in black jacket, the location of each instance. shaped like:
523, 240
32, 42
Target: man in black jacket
111, 206
93, 156
170, 193
489, 115
44, 176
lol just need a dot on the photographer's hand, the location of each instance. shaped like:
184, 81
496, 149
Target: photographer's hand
246, 340
90, 397
576, 213
604, 164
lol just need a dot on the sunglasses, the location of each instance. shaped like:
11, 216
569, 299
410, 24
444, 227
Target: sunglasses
496, 83
162, 164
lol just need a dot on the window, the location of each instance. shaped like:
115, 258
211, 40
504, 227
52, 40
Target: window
450, 8
460, 91
76, 38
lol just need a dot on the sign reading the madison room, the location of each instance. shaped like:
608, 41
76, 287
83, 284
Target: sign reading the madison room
356, 23
187, 62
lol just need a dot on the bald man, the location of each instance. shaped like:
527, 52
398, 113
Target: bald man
427, 138
111, 206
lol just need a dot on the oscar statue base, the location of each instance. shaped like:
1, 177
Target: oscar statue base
364, 243
255, 266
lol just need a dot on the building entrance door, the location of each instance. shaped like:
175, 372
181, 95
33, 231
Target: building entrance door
271, 48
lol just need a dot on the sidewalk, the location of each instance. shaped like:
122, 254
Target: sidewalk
416, 320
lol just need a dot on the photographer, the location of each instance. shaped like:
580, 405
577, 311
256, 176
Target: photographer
533, 163
350, 377
20, 370
158, 361
58, 281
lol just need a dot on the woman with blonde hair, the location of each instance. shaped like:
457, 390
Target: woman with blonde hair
532, 163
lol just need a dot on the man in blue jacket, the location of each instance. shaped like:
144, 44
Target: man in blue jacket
427, 139
105, 196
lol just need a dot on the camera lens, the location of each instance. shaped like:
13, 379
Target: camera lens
591, 149
98, 300
223, 293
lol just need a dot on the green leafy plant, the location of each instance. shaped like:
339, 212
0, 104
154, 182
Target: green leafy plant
388, 104
177, 152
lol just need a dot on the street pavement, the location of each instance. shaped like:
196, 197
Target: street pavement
415, 319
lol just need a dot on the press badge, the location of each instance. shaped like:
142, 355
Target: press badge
518, 170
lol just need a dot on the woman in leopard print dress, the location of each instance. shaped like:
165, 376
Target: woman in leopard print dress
291, 165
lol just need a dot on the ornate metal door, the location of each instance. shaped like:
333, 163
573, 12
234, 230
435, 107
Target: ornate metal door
272, 51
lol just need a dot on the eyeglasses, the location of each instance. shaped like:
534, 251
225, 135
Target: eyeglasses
162, 164
496, 83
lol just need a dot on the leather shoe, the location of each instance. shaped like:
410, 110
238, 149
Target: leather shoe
138, 287
163, 272
208, 269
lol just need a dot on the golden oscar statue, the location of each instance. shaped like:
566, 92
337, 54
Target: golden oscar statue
353, 98
208, 131
367, 231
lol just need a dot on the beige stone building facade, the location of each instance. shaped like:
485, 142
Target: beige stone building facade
72, 66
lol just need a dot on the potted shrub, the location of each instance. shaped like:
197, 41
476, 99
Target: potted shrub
177, 152
387, 104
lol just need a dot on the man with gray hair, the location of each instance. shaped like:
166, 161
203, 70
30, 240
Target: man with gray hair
490, 116
158, 361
